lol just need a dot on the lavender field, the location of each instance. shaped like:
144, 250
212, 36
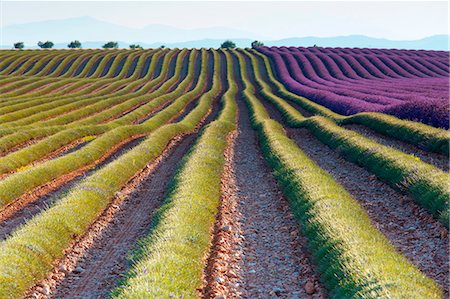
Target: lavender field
224, 173
410, 85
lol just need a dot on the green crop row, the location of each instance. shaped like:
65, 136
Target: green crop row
171, 259
28, 155
426, 183
73, 115
84, 110
33, 248
17, 184
428, 137
25, 156
46, 99
94, 85
354, 259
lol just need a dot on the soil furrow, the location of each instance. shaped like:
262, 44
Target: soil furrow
64, 150
438, 160
15, 215
99, 270
95, 269
274, 261
409, 227
258, 251
19, 146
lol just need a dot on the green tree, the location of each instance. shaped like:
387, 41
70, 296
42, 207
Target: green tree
74, 44
46, 45
257, 43
136, 46
111, 45
19, 45
162, 46
228, 44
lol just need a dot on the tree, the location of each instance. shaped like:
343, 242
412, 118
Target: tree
228, 44
46, 45
19, 45
74, 44
162, 47
135, 46
111, 45
257, 43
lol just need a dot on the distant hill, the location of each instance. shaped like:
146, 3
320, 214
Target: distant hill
436, 42
94, 33
91, 29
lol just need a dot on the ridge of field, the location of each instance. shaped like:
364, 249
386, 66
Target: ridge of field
82, 130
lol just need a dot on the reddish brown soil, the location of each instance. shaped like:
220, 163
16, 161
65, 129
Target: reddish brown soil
17, 205
75, 145
409, 227
102, 257
19, 217
435, 159
257, 248
106, 259
123, 113
19, 146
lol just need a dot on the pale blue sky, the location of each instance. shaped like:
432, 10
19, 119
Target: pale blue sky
272, 20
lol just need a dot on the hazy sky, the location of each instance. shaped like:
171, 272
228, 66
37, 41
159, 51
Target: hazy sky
272, 20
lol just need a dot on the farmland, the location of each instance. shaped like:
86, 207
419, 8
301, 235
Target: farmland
231, 173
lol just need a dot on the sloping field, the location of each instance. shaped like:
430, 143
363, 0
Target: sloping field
248, 173
407, 84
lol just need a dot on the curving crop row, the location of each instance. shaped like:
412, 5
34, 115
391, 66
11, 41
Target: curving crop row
160, 99
73, 214
58, 103
427, 137
171, 259
85, 110
429, 107
426, 183
354, 259
18, 184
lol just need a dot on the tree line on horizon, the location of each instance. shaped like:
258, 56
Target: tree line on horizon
76, 44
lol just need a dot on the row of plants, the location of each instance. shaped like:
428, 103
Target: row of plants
413, 102
169, 262
94, 85
114, 84
426, 183
69, 69
33, 248
121, 95
354, 259
18, 184
85, 107
161, 98
55, 61
425, 136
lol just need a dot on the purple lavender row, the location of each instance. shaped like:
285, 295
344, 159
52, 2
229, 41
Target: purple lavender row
322, 76
307, 76
370, 51
389, 81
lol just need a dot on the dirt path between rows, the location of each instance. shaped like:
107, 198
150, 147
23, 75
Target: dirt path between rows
435, 159
438, 160
19, 215
409, 227
95, 263
258, 250
97, 273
